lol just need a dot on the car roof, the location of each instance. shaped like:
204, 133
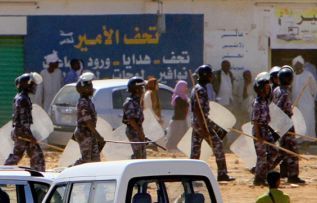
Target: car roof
106, 83
137, 168
16, 173
113, 83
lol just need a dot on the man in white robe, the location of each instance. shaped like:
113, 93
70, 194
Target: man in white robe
304, 90
52, 82
223, 84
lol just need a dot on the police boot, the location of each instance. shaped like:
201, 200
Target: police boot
295, 179
259, 181
225, 177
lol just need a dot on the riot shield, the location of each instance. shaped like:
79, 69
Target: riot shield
42, 124
72, 152
41, 128
117, 151
221, 116
280, 122
6, 141
185, 146
243, 147
70, 155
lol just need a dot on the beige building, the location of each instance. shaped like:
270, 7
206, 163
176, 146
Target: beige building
251, 34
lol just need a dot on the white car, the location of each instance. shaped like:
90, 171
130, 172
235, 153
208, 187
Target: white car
23, 185
136, 181
108, 98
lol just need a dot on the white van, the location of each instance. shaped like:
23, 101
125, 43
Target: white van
136, 181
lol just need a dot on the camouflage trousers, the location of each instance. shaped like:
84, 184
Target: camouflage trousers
289, 162
33, 150
88, 145
139, 151
266, 156
216, 145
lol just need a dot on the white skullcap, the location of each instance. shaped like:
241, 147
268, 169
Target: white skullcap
52, 58
298, 59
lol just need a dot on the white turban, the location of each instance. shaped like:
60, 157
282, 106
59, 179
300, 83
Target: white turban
52, 58
298, 59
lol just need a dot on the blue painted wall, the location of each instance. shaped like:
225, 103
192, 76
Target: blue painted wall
118, 46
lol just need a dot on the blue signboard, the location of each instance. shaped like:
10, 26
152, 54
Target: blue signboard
118, 46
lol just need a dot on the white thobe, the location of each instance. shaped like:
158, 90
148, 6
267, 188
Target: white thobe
147, 100
245, 103
306, 103
224, 96
45, 92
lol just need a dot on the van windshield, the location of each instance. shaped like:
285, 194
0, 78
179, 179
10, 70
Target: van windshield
170, 189
67, 97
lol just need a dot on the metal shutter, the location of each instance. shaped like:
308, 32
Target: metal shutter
11, 66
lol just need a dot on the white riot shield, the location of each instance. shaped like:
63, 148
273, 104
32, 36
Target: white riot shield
221, 116
72, 152
185, 146
41, 128
243, 147
117, 151
104, 128
151, 127
6, 142
280, 122
299, 121
42, 124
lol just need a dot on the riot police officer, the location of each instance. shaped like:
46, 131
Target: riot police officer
200, 109
281, 97
133, 116
85, 133
22, 121
260, 119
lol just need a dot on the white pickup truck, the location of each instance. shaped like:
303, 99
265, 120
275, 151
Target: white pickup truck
136, 181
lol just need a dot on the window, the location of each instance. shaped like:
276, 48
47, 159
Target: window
58, 194
104, 192
178, 189
80, 193
165, 97
39, 190
15, 193
9, 192
67, 97
118, 98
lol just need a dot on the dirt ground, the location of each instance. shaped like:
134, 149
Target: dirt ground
241, 190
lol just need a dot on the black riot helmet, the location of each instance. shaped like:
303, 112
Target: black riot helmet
135, 83
260, 81
28, 81
286, 75
273, 72
204, 73
84, 84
